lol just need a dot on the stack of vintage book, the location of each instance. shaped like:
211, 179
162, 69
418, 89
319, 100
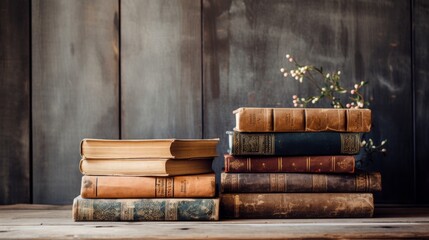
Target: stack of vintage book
147, 180
297, 163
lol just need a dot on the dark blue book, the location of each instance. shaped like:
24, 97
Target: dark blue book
293, 144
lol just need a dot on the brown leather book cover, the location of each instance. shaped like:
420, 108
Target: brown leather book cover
300, 182
314, 164
302, 120
201, 185
297, 205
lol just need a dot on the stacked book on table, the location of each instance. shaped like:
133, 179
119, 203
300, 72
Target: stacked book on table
297, 163
147, 180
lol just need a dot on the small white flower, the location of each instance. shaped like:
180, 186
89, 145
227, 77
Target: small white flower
348, 105
294, 96
282, 69
356, 86
352, 91
360, 104
294, 101
328, 75
287, 56
285, 74
295, 104
331, 87
323, 89
363, 143
383, 150
300, 79
290, 59
339, 72
303, 99
296, 77
362, 83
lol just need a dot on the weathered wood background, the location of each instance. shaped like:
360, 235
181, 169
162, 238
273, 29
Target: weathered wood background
178, 68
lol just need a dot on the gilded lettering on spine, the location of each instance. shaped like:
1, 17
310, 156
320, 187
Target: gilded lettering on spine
170, 187
164, 187
320, 183
361, 182
261, 144
350, 143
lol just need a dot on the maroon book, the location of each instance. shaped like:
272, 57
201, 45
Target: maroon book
311, 164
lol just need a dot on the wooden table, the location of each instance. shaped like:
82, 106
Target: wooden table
55, 222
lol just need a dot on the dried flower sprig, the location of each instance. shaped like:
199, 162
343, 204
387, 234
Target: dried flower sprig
370, 149
329, 87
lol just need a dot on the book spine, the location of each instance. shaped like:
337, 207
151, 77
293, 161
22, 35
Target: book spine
297, 205
294, 144
299, 182
140, 187
149, 209
313, 164
302, 119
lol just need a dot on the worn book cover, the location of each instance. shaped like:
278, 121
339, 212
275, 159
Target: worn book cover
199, 185
146, 209
300, 182
297, 205
312, 164
293, 144
302, 120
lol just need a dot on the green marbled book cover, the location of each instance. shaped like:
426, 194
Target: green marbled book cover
148, 209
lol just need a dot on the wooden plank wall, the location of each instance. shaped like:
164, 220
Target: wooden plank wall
159, 69
421, 76
15, 101
75, 89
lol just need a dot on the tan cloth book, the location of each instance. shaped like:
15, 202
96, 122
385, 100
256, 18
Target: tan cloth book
145, 167
148, 148
188, 186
